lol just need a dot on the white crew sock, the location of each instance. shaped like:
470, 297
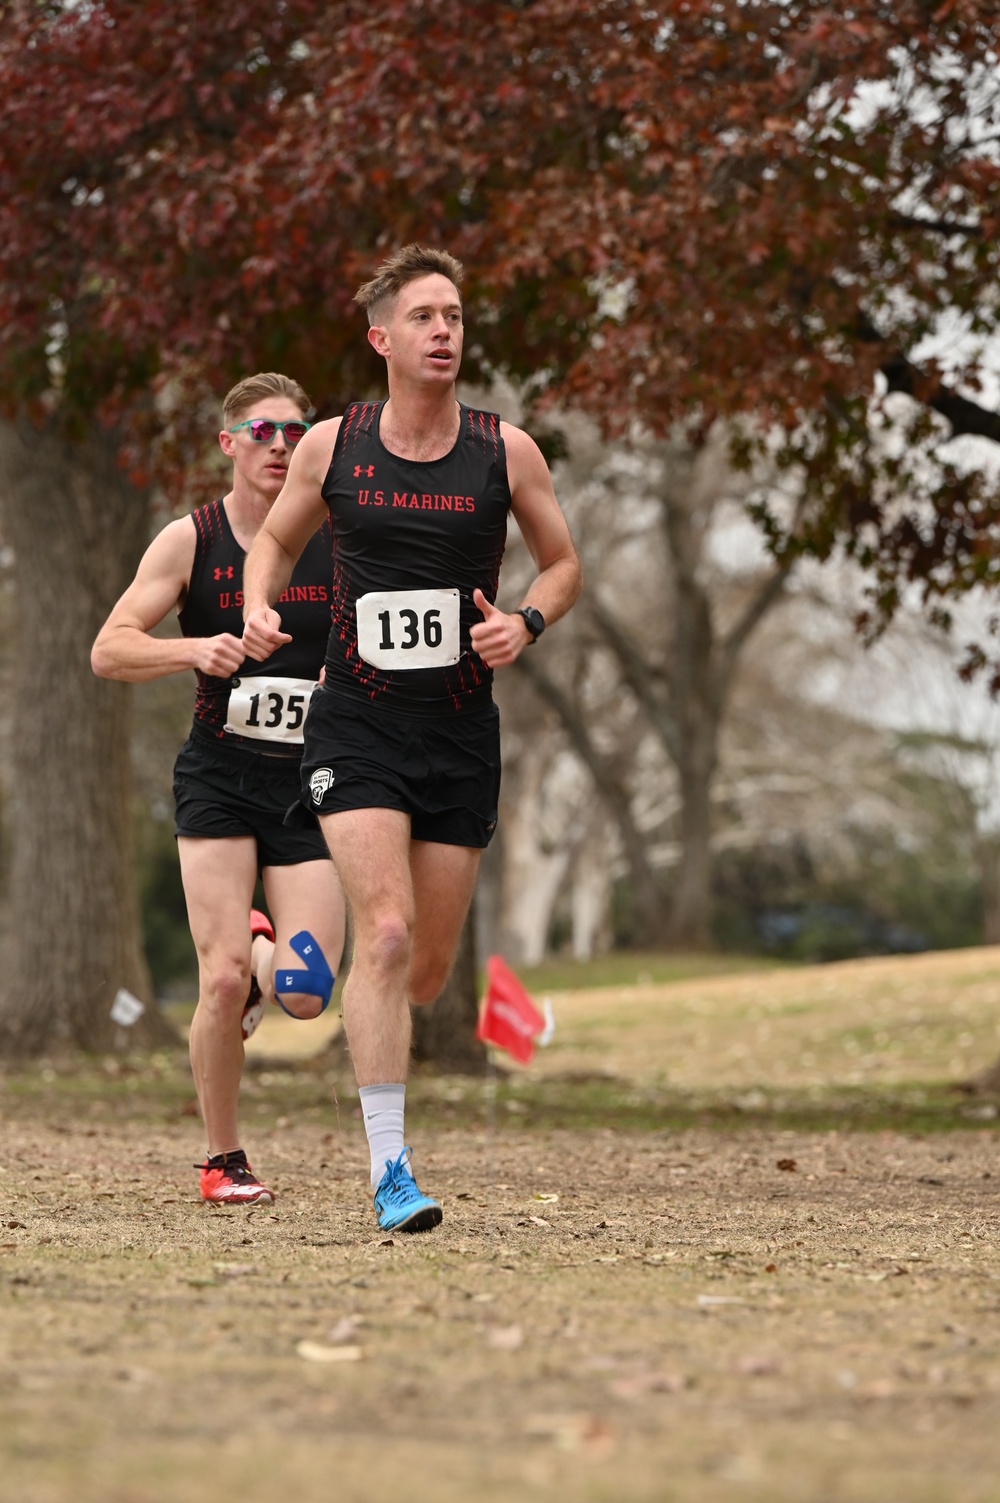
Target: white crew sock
383, 1107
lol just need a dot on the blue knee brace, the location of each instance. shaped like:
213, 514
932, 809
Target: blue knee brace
316, 980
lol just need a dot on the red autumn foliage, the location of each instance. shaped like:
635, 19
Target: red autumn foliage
669, 212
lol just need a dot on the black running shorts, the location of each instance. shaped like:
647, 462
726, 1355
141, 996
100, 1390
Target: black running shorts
222, 790
443, 772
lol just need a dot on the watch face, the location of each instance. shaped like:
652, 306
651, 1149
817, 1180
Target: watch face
534, 620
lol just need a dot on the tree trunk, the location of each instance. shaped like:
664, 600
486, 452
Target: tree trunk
694, 697
988, 861
590, 897
444, 1033
77, 526
689, 926
533, 875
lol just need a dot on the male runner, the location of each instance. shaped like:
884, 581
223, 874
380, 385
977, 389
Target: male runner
402, 756
238, 772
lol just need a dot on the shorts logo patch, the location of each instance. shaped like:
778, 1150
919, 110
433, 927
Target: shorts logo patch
321, 780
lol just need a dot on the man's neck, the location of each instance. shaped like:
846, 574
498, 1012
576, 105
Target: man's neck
246, 509
420, 425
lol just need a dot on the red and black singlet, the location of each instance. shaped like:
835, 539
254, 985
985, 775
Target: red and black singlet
413, 527
214, 604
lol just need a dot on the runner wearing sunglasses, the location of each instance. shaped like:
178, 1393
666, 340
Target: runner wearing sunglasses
238, 772
402, 758
262, 430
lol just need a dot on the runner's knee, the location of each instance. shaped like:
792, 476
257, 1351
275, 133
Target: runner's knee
303, 1005
224, 987
389, 944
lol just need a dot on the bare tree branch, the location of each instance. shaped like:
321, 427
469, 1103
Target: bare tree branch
756, 609
649, 900
964, 415
636, 673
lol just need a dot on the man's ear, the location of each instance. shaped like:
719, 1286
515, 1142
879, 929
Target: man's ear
378, 339
226, 443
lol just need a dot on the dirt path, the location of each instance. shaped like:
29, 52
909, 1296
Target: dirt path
603, 1315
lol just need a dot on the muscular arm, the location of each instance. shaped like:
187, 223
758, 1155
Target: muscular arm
125, 647
500, 638
291, 522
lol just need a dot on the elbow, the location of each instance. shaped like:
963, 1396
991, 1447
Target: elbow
577, 584
102, 661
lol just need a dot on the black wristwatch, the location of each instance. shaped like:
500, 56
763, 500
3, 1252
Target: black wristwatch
533, 620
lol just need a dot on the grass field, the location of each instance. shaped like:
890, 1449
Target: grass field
730, 1236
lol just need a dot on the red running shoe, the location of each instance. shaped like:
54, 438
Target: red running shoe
253, 1007
229, 1180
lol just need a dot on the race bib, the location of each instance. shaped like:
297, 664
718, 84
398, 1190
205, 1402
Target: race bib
409, 628
269, 709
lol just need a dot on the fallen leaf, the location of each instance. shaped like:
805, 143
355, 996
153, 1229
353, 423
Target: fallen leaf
548, 1200
790, 1165
345, 1329
757, 1365
315, 1351
505, 1338
539, 1221
573, 1432
234, 1270
636, 1384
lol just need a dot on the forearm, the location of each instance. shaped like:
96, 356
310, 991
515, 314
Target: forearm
555, 589
267, 570
134, 656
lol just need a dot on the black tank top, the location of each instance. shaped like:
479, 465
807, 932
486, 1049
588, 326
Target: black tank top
214, 604
407, 525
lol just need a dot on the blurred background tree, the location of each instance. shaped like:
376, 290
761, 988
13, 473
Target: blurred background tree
762, 220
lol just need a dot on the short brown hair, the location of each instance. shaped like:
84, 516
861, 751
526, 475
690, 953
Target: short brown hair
405, 266
257, 389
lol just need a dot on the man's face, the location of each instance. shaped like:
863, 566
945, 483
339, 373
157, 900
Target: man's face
262, 465
422, 336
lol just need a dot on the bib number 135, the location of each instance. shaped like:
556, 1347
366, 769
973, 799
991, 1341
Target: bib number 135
269, 709
409, 628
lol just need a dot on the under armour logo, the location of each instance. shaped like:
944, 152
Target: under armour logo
227, 572
360, 469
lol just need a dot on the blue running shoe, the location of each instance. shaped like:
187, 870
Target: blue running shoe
399, 1205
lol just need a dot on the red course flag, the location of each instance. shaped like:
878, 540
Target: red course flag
508, 1018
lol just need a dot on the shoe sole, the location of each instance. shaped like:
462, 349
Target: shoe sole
253, 1015
265, 1197
423, 1220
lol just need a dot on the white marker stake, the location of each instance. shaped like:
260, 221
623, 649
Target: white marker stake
126, 1009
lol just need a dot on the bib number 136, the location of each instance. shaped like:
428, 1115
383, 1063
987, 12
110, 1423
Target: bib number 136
409, 628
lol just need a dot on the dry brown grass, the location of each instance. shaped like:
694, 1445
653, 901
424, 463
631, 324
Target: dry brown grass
606, 1313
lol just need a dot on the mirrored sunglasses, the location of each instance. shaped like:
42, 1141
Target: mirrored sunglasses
262, 430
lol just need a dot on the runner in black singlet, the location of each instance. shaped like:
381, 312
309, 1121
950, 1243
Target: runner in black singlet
238, 773
402, 757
